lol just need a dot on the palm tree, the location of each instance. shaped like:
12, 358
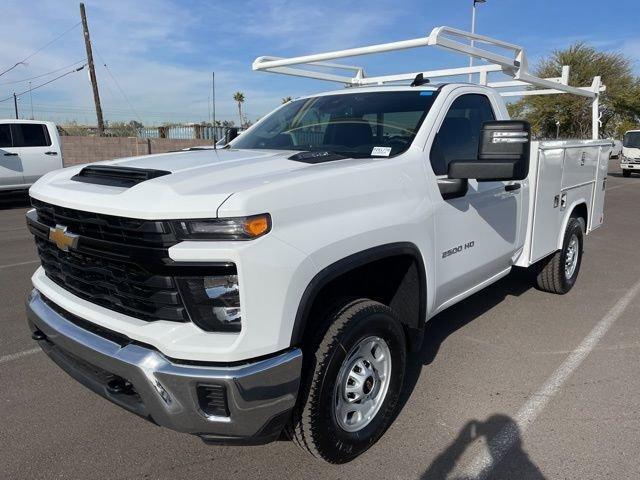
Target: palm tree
239, 97
286, 100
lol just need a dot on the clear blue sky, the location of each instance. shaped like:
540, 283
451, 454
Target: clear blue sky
161, 52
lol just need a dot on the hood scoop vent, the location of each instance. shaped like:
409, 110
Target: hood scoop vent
114, 176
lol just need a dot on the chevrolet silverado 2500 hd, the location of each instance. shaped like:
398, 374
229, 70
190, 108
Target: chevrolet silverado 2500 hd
278, 283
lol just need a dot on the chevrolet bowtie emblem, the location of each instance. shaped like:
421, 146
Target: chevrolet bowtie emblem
62, 238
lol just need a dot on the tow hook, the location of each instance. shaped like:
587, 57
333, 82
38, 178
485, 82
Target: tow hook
117, 386
38, 335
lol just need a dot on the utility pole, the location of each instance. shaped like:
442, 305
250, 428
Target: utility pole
15, 103
92, 70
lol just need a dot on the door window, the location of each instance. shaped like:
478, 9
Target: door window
459, 133
5, 136
30, 135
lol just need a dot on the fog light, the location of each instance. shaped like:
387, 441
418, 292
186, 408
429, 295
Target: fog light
213, 400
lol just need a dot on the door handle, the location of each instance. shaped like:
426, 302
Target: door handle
512, 187
50, 153
10, 154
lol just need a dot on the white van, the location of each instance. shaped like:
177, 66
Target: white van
28, 150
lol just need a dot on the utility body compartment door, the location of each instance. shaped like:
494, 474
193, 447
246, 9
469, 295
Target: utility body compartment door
579, 166
597, 204
547, 189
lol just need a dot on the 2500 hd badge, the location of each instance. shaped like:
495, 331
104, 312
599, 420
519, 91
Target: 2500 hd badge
458, 249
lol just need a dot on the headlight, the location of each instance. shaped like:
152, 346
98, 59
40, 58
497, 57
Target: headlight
213, 302
237, 228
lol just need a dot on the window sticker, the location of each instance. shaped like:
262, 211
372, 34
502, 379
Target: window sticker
426, 93
381, 151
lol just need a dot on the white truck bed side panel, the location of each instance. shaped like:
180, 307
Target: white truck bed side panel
563, 174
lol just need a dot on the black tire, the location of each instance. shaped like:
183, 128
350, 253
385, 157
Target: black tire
552, 275
314, 426
626, 173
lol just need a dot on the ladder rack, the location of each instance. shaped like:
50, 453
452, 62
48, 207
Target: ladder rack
511, 62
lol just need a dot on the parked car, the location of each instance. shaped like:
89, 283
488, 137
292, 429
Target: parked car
630, 161
28, 150
278, 284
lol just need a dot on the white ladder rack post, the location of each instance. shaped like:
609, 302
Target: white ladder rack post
513, 63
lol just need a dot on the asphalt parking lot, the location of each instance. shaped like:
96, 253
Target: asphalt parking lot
553, 378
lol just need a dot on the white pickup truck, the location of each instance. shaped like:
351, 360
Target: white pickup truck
278, 284
28, 150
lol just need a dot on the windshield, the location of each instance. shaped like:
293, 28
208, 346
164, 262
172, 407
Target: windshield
352, 125
631, 140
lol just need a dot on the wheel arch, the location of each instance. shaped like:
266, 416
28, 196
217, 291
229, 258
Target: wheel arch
577, 209
412, 284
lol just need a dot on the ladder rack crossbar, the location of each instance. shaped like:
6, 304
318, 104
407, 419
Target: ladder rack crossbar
511, 62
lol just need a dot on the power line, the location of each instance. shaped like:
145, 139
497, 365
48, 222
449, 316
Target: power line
117, 84
44, 74
45, 83
22, 62
123, 110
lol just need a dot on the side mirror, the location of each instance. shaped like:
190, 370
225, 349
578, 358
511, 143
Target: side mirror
503, 153
230, 134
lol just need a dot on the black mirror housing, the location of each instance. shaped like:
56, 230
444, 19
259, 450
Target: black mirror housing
503, 153
230, 134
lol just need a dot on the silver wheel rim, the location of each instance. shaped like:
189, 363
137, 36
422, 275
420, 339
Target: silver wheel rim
363, 382
571, 257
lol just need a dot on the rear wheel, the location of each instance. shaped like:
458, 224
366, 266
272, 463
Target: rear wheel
355, 373
558, 272
626, 173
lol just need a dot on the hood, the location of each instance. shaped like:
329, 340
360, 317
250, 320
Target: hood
631, 152
198, 183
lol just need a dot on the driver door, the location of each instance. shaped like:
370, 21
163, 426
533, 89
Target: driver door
476, 234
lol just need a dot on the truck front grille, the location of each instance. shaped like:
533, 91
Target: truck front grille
119, 263
131, 231
119, 286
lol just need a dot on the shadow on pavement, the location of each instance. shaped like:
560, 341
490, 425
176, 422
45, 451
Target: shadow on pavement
437, 330
619, 175
492, 430
457, 316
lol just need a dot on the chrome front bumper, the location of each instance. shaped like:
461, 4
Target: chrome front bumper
259, 395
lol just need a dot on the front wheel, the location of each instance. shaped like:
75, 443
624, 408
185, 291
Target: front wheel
355, 377
559, 272
626, 173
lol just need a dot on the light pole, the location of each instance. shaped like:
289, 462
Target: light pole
473, 30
